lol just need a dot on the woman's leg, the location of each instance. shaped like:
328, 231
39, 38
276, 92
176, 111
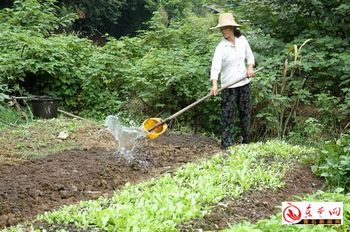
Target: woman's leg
243, 98
228, 101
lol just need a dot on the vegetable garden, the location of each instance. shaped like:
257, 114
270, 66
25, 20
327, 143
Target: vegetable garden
141, 59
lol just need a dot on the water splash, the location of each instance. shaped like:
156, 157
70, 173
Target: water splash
126, 136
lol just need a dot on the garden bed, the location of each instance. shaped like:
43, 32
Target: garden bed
34, 186
254, 204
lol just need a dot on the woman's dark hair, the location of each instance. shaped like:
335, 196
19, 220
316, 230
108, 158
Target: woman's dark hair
237, 32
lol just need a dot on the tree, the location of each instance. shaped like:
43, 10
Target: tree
115, 17
287, 19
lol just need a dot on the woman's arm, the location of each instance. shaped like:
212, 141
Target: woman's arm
250, 60
216, 64
215, 70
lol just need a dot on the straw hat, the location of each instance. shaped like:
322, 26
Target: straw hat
226, 19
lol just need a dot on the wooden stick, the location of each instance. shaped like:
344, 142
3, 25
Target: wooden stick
20, 109
73, 115
196, 103
7, 123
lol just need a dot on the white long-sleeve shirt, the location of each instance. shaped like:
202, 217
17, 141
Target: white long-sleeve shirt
229, 62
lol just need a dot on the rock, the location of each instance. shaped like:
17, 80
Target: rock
65, 194
104, 183
63, 135
3, 220
16, 211
11, 219
105, 195
74, 188
33, 193
54, 196
93, 194
117, 181
59, 187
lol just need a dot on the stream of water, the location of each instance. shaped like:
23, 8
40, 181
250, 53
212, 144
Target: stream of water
126, 136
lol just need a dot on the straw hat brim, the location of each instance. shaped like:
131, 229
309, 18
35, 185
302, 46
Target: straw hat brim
225, 25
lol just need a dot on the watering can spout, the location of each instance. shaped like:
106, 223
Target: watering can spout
154, 127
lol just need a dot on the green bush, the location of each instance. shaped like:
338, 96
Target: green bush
167, 67
324, 65
40, 17
308, 131
172, 71
34, 61
333, 163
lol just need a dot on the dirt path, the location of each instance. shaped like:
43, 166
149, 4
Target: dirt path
35, 186
255, 205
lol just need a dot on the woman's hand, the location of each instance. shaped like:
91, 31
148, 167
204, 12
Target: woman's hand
214, 90
250, 71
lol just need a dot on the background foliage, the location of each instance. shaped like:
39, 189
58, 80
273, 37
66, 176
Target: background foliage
333, 163
303, 91
324, 60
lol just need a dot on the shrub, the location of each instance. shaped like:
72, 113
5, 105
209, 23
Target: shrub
333, 163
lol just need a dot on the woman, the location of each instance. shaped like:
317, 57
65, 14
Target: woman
229, 61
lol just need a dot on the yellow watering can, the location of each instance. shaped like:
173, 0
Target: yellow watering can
154, 127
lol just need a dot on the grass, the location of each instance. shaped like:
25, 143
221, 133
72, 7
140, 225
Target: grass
9, 116
39, 138
163, 203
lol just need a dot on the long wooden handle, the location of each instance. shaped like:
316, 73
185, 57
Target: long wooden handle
196, 103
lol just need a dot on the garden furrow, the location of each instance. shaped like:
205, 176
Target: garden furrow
162, 204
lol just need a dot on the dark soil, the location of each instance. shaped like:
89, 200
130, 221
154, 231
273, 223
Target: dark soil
35, 186
255, 205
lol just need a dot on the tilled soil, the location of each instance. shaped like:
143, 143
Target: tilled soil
251, 206
254, 205
35, 186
